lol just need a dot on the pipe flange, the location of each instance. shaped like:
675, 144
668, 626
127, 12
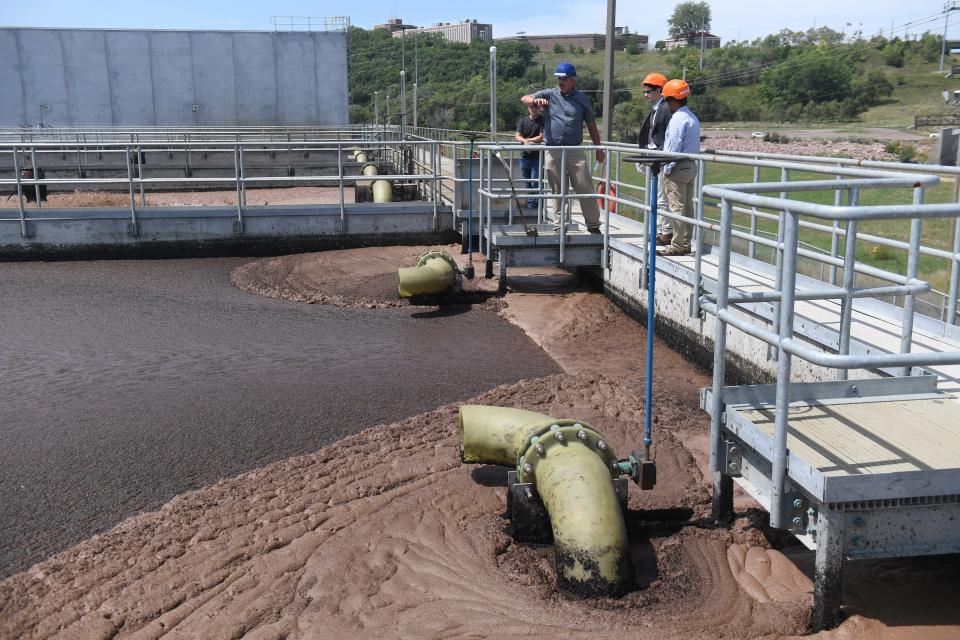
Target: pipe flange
443, 255
563, 433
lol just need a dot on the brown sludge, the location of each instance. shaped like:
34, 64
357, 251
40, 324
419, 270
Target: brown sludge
386, 534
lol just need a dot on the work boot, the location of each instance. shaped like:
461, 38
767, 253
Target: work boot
674, 251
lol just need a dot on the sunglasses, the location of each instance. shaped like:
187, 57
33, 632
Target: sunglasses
649, 91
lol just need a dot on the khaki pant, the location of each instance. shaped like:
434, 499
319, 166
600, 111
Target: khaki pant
679, 187
664, 225
580, 182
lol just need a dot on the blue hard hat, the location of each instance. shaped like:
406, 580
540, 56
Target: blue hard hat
565, 70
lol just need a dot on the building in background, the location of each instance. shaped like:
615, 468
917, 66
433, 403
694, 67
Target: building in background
693, 39
586, 41
395, 24
467, 30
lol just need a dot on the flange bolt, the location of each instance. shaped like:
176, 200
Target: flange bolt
582, 434
601, 445
528, 468
559, 436
541, 450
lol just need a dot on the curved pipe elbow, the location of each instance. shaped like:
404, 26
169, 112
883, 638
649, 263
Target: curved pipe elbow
435, 273
572, 468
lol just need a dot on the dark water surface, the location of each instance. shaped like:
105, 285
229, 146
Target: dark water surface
126, 383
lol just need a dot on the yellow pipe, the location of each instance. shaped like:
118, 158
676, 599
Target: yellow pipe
497, 435
382, 191
572, 467
435, 273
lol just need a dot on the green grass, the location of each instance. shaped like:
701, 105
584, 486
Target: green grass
937, 233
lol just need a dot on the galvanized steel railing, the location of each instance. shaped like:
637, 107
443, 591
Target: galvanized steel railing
424, 160
785, 293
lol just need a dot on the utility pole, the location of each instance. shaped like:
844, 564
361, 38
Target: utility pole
376, 107
947, 8
703, 26
493, 94
416, 75
606, 134
403, 104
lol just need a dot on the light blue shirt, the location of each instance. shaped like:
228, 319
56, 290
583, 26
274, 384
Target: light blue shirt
683, 135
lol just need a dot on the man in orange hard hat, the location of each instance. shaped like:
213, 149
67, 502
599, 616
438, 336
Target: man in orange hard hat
652, 133
679, 178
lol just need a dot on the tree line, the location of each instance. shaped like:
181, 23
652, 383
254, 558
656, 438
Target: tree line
453, 80
812, 75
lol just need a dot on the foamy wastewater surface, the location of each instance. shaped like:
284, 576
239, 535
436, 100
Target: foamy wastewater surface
386, 534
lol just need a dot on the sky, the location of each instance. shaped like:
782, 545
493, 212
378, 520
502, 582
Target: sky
732, 19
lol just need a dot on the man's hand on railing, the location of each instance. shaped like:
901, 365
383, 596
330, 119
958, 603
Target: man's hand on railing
601, 155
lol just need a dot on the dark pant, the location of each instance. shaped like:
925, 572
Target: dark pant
530, 170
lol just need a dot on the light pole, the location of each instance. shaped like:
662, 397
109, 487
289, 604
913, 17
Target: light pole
947, 8
606, 134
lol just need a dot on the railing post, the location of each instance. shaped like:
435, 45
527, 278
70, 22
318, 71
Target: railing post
36, 176
913, 265
435, 167
752, 246
849, 281
510, 200
133, 229
722, 487
698, 239
143, 196
563, 203
488, 271
645, 219
16, 172
778, 257
605, 258
79, 160
343, 211
238, 223
781, 421
955, 263
835, 238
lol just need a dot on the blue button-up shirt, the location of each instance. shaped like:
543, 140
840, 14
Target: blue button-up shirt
683, 135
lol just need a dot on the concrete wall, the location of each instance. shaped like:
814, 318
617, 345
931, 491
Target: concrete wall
95, 78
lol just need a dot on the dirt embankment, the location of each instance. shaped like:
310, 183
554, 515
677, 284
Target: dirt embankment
386, 534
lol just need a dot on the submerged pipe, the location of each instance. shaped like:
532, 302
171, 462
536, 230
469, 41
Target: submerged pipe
435, 273
572, 467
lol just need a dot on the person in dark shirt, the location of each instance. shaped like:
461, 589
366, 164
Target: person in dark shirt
652, 134
530, 132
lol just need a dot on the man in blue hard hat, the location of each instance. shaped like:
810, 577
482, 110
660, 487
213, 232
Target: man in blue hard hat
567, 110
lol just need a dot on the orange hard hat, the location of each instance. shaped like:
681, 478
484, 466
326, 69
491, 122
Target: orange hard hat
677, 89
655, 79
